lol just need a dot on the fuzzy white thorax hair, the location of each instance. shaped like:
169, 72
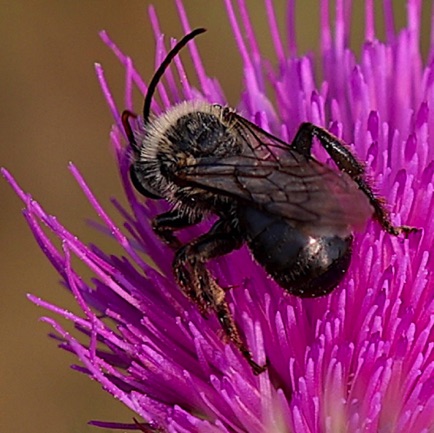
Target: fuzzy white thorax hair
154, 135
153, 141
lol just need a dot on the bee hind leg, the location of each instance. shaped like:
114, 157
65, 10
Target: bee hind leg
348, 163
197, 283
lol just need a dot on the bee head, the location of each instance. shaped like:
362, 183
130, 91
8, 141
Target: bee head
145, 172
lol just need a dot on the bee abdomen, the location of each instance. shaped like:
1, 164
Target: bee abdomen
305, 266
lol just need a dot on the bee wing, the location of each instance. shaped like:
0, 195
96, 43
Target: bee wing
271, 177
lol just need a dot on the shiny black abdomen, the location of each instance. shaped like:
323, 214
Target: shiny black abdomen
306, 266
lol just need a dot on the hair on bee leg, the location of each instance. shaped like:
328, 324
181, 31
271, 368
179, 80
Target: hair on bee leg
348, 163
197, 283
229, 327
166, 223
189, 263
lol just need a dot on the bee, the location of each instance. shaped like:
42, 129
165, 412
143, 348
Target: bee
296, 214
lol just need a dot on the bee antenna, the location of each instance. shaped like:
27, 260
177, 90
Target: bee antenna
126, 116
162, 68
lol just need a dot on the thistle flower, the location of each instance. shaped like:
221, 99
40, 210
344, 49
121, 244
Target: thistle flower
358, 360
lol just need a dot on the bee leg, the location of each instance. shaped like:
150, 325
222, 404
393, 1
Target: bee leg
349, 164
195, 280
166, 223
183, 267
230, 328
190, 258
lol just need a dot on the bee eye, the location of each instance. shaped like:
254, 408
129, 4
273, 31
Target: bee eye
140, 185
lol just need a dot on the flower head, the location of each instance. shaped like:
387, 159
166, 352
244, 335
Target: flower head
358, 360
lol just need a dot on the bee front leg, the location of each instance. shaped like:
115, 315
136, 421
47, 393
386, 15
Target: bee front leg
197, 283
166, 223
349, 164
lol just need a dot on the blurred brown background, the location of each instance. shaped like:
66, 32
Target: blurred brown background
52, 112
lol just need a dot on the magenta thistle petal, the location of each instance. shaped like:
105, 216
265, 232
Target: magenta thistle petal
358, 360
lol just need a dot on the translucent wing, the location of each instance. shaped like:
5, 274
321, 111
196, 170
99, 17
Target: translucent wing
268, 175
